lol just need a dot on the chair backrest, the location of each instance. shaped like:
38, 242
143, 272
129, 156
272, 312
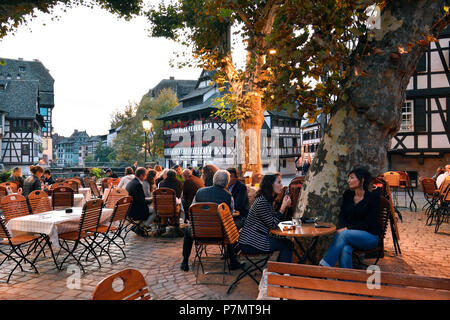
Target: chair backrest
205, 222
134, 287
94, 189
164, 202
62, 197
104, 183
428, 187
59, 180
121, 208
74, 184
12, 184
295, 188
90, 217
393, 178
229, 227
59, 184
2, 192
114, 195
446, 197
39, 201
86, 182
404, 178
14, 206
444, 185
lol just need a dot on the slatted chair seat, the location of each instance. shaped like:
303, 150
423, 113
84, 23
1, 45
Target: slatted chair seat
232, 236
62, 197
39, 202
207, 229
18, 240
90, 219
134, 287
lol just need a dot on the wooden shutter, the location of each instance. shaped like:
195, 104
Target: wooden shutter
420, 119
422, 64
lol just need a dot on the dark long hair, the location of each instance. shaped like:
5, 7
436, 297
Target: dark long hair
266, 186
208, 173
150, 178
362, 173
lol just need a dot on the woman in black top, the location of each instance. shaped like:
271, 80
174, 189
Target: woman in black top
358, 226
34, 182
255, 235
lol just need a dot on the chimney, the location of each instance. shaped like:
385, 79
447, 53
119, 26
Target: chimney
172, 78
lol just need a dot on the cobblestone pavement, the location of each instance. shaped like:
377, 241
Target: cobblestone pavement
423, 253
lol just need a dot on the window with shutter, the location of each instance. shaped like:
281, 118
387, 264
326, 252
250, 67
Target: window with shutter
420, 119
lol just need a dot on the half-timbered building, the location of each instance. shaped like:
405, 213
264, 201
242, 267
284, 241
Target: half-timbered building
423, 141
193, 137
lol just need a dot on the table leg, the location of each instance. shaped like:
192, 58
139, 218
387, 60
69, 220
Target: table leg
308, 251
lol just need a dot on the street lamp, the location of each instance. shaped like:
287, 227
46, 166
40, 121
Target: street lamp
147, 125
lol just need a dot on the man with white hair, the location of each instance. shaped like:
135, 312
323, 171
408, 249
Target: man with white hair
443, 176
217, 193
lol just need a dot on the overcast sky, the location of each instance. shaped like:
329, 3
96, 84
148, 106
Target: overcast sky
100, 63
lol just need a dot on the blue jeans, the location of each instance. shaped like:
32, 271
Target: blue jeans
343, 244
285, 247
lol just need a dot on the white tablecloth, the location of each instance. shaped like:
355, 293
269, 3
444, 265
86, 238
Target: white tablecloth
51, 223
86, 192
78, 200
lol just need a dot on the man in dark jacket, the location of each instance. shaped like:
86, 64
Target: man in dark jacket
172, 182
139, 208
190, 187
240, 196
111, 174
217, 193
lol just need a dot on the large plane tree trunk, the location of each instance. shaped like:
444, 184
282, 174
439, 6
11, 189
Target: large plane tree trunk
364, 121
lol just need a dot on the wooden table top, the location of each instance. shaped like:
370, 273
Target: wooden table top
306, 230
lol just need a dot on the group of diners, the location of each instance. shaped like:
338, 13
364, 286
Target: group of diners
357, 227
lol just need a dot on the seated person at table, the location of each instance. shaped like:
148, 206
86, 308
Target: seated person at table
111, 174
34, 182
129, 175
358, 227
255, 235
179, 172
149, 183
139, 210
217, 194
240, 196
48, 179
208, 172
190, 188
17, 176
440, 179
162, 175
172, 182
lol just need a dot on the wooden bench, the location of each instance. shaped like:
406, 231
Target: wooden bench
306, 282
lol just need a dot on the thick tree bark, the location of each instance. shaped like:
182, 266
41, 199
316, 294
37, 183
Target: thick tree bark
360, 128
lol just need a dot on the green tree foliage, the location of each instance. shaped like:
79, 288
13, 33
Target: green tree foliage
14, 13
104, 153
130, 141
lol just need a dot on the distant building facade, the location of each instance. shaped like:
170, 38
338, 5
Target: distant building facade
180, 87
72, 151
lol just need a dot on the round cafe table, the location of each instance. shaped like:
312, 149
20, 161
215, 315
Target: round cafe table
306, 230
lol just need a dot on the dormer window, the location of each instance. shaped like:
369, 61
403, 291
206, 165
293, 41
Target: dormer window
2, 87
21, 69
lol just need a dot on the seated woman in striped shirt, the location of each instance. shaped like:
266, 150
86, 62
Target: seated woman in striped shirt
255, 234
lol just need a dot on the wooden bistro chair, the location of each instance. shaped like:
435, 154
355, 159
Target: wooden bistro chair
39, 202
15, 253
90, 218
231, 236
134, 287
59, 184
405, 183
166, 208
295, 188
114, 195
206, 228
439, 195
62, 197
3, 192
383, 219
429, 190
104, 183
114, 227
114, 181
